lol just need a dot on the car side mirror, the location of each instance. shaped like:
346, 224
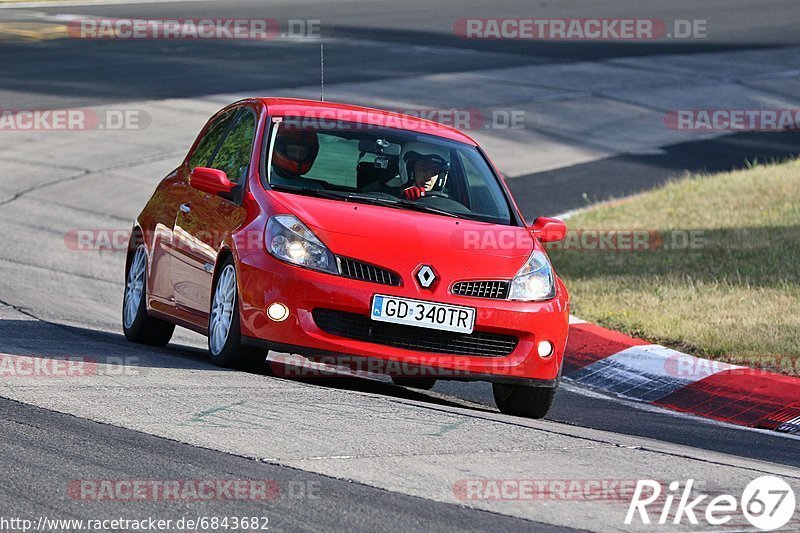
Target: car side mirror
211, 180
548, 229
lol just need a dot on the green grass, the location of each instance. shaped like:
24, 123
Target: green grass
736, 297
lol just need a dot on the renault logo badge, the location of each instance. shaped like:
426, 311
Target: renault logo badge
426, 276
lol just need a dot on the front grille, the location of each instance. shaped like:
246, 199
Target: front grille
362, 328
497, 290
350, 268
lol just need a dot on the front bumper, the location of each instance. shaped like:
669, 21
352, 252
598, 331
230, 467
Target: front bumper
264, 280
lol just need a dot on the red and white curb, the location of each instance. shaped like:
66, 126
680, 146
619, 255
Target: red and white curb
635, 369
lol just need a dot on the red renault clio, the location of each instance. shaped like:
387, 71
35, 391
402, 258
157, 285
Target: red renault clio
330, 230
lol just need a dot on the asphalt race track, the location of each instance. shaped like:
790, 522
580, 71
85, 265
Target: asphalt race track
347, 453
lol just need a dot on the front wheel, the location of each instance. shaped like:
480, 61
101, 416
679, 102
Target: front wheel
137, 326
521, 400
224, 325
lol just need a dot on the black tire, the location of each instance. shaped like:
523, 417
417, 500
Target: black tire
520, 400
414, 383
144, 329
234, 354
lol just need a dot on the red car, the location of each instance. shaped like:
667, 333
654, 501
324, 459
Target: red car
335, 231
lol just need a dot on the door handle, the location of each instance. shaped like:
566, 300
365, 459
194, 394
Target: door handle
185, 208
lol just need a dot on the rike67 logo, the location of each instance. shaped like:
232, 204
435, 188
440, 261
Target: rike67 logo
767, 503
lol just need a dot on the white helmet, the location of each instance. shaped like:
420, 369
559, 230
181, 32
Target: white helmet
412, 151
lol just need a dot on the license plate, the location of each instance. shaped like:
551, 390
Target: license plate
423, 314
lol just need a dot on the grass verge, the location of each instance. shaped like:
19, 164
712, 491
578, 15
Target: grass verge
716, 274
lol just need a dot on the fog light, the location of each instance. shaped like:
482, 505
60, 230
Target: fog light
545, 349
278, 312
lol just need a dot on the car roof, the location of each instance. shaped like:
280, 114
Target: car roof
313, 109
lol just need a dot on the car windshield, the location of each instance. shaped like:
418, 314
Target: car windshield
384, 166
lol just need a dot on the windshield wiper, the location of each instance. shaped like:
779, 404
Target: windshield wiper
400, 203
308, 191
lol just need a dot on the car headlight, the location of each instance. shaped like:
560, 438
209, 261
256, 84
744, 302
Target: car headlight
534, 281
290, 240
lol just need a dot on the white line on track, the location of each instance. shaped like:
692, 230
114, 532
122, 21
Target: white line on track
65, 3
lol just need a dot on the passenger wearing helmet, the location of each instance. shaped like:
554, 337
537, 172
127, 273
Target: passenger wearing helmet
295, 152
424, 169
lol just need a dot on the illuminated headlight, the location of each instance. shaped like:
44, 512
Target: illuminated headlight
534, 281
290, 240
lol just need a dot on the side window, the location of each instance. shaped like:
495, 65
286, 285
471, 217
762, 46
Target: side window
486, 196
210, 141
334, 162
233, 156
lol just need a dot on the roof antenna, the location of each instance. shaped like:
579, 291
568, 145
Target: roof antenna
322, 73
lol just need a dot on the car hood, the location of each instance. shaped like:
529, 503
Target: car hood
403, 240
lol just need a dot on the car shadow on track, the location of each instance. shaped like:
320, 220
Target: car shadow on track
32, 346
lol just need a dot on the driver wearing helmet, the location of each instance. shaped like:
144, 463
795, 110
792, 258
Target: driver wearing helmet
295, 152
424, 172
